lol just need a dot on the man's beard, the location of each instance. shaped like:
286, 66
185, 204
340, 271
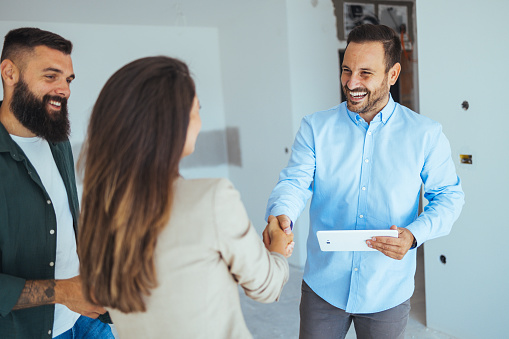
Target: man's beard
374, 99
33, 114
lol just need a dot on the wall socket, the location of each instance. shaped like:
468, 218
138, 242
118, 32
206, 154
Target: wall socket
466, 159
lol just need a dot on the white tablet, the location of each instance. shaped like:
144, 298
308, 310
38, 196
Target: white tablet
351, 240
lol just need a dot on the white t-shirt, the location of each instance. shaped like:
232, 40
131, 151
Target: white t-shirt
39, 153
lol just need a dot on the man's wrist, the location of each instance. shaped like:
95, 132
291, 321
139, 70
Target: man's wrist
61, 290
414, 243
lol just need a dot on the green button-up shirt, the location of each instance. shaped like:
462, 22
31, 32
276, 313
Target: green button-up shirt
28, 232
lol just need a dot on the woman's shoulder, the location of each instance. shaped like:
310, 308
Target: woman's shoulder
203, 184
215, 200
204, 189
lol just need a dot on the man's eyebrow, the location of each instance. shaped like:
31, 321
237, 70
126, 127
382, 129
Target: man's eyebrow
51, 69
56, 70
361, 69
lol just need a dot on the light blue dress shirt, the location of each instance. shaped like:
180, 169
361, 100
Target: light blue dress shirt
366, 177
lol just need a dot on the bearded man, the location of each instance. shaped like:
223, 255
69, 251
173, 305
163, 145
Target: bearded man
363, 162
40, 287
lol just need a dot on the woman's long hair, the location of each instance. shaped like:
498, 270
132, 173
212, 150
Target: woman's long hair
135, 140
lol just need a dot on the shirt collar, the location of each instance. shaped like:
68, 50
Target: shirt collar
6, 143
384, 115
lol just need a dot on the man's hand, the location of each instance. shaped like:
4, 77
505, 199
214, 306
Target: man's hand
69, 292
285, 223
275, 239
395, 248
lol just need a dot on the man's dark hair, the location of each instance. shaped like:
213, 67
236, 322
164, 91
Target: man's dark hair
379, 33
23, 40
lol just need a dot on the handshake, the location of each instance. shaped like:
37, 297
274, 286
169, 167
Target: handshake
278, 236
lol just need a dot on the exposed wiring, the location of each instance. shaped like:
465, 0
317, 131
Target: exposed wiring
404, 33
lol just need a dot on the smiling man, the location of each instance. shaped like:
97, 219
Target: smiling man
363, 162
40, 287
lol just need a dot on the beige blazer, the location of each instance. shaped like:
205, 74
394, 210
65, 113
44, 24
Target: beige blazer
208, 247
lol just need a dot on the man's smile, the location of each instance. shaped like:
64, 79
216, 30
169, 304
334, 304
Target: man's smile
55, 104
357, 96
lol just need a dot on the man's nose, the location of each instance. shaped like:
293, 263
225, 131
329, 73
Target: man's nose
353, 82
63, 89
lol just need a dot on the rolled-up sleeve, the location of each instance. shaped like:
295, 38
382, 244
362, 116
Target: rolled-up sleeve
10, 290
294, 188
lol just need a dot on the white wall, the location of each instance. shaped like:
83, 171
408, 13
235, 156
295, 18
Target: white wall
314, 79
256, 83
462, 56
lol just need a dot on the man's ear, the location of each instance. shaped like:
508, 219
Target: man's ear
394, 73
10, 72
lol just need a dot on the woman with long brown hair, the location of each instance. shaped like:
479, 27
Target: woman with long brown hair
162, 253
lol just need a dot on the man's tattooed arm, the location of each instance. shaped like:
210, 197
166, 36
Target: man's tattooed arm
36, 293
67, 292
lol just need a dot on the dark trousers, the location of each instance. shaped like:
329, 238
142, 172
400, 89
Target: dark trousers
321, 320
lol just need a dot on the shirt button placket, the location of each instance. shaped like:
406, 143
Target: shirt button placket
368, 139
364, 188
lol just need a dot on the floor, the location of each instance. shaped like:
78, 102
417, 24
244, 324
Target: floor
281, 319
